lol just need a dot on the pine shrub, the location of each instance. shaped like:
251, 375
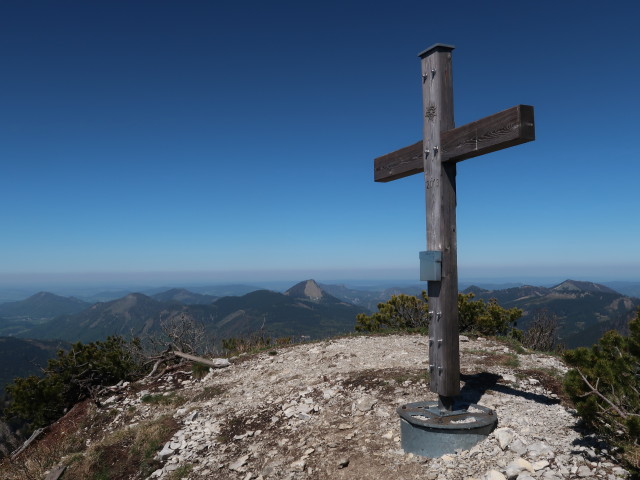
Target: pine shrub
400, 312
604, 385
72, 376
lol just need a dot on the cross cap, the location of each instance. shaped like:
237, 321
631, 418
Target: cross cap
436, 47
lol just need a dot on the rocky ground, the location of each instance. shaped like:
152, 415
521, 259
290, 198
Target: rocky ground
327, 410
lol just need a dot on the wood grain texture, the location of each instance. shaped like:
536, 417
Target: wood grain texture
505, 129
401, 163
440, 188
513, 126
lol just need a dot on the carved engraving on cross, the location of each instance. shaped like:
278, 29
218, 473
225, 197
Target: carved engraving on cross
437, 155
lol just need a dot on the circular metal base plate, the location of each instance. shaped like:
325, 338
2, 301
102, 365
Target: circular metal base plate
429, 432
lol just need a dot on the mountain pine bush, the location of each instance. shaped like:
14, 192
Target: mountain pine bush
604, 385
406, 312
72, 376
400, 312
476, 316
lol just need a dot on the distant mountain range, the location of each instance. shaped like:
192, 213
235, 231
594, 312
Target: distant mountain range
185, 297
369, 299
584, 310
303, 310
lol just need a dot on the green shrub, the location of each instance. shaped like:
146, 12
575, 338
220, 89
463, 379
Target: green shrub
71, 377
605, 387
199, 370
476, 316
406, 312
401, 312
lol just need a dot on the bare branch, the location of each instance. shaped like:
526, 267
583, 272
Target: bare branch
594, 390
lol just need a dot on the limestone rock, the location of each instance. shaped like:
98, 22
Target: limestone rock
516, 467
298, 466
494, 475
366, 403
504, 436
239, 463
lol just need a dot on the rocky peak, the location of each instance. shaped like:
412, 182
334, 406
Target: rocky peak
307, 289
328, 410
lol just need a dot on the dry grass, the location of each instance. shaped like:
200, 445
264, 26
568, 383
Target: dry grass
124, 454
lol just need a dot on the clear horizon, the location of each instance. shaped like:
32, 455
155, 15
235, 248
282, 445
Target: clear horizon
156, 140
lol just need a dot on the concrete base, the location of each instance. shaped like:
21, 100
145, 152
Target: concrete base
428, 432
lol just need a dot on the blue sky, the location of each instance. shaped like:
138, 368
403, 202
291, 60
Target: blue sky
235, 140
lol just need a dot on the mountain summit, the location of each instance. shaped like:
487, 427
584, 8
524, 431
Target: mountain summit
308, 290
42, 305
576, 286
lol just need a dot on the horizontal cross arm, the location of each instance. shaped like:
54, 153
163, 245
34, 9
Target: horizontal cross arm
505, 129
399, 164
501, 130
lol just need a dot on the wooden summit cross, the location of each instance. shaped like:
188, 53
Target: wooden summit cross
437, 154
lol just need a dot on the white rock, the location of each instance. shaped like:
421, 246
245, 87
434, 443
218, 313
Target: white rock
540, 464
239, 463
328, 393
524, 476
504, 436
366, 403
494, 475
298, 466
540, 449
518, 466
584, 471
463, 338
518, 447
166, 452
221, 362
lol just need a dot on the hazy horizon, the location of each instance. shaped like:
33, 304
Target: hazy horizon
88, 283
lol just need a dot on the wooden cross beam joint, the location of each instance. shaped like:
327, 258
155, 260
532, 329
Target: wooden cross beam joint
508, 128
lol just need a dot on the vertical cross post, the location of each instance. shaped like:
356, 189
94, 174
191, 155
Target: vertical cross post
440, 183
442, 147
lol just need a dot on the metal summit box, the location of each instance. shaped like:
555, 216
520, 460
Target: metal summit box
431, 266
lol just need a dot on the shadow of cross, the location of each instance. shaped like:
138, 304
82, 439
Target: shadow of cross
437, 155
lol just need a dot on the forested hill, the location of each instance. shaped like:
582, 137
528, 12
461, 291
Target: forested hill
23, 357
304, 310
585, 310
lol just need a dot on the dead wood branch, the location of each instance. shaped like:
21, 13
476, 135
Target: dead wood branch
29, 441
216, 363
595, 391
